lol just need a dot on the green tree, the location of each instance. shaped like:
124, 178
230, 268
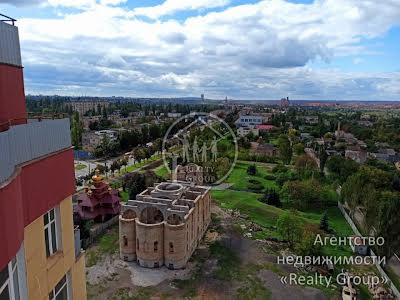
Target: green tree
76, 130
289, 227
305, 246
302, 194
340, 168
389, 223
105, 115
323, 157
305, 166
285, 149
298, 148
361, 187
114, 166
154, 132
123, 163
324, 222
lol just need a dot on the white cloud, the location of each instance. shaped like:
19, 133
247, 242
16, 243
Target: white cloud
21, 2
258, 50
112, 2
72, 3
172, 6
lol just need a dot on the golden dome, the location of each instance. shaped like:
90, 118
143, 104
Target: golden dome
97, 177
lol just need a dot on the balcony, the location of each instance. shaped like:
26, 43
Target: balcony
23, 143
77, 238
10, 52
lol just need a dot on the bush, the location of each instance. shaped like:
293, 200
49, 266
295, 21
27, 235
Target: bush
254, 181
270, 177
282, 178
271, 197
252, 170
255, 186
280, 168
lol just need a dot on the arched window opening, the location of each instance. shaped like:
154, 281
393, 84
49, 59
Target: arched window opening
155, 246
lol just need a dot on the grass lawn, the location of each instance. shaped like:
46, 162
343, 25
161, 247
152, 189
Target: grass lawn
162, 172
134, 167
267, 215
106, 245
247, 203
79, 167
240, 179
124, 196
336, 222
393, 277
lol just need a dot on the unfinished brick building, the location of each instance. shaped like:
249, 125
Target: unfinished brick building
164, 225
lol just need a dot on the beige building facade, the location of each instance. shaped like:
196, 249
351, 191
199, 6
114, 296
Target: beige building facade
164, 225
44, 273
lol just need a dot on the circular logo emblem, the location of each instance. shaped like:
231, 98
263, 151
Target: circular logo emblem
200, 148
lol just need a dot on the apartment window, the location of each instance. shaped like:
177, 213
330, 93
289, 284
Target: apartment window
51, 233
171, 247
60, 292
9, 287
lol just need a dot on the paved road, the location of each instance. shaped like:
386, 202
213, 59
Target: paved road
90, 166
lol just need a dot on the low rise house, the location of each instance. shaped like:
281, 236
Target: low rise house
305, 136
264, 149
249, 120
365, 123
359, 156
87, 120
174, 115
265, 128
92, 139
386, 155
311, 120
246, 130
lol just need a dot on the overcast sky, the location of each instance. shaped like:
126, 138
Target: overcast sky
243, 49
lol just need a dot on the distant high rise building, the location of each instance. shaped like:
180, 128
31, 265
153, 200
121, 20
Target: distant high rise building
83, 107
40, 256
285, 102
202, 97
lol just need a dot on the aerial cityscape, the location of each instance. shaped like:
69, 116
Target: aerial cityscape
199, 149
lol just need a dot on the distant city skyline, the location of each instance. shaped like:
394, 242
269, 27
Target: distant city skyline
243, 49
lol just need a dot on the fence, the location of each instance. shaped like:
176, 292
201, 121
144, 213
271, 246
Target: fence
380, 269
98, 230
82, 155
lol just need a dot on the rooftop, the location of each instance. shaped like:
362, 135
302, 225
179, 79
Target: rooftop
172, 200
7, 19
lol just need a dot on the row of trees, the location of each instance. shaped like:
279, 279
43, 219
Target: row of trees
377, 192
